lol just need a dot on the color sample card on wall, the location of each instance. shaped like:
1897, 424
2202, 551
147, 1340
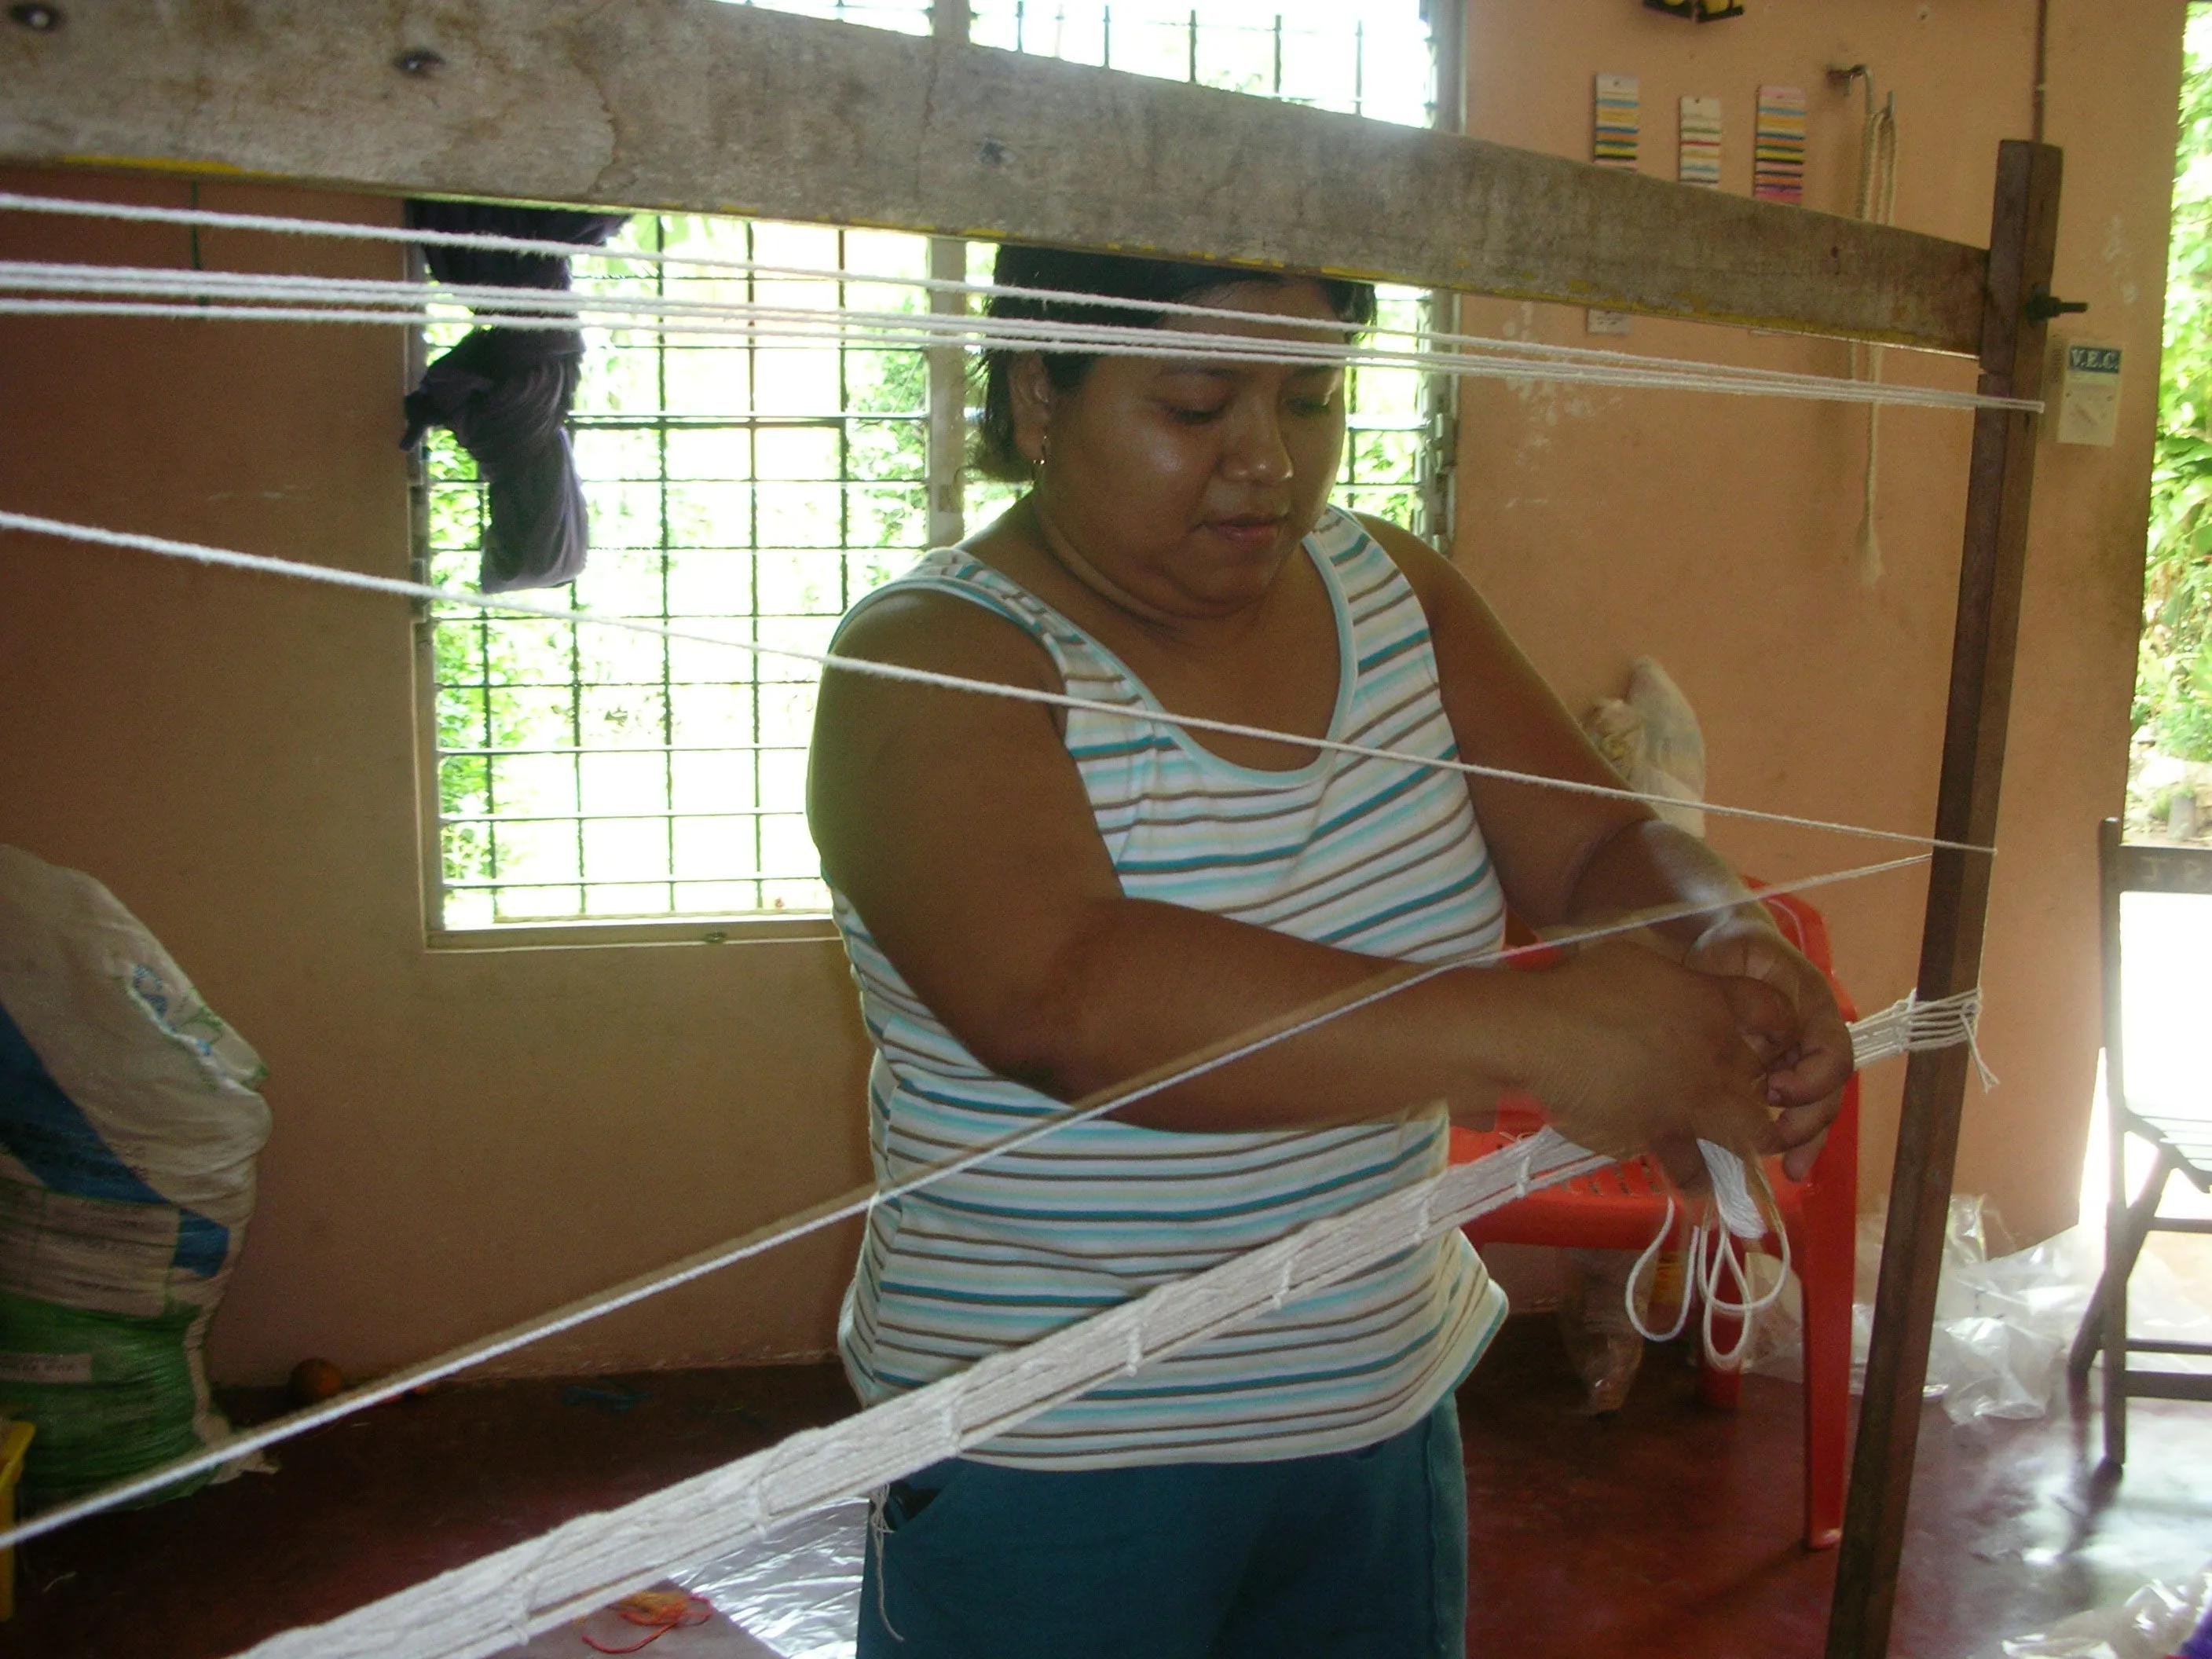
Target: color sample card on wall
1614, 122
1615, 127
1700, 160
1777, 155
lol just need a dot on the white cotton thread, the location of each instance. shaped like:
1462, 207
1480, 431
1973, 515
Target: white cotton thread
1649, 1259
596, 1558
1732, 1191
1907, 1026
1687, 376
1515, 1172
742, 324
227, 558
1135, 1362
707, 1261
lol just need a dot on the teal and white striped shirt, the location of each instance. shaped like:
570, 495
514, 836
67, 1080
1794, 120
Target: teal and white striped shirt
1373, 857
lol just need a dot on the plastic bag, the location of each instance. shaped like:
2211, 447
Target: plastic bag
798, 1591
2156, 1621
129, 1127
2004, 1324
1602, 1344
1652, 739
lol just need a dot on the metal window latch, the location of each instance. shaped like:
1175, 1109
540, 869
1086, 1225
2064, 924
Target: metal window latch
2042, 306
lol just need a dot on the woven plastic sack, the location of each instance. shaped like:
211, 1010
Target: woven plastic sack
129, 1127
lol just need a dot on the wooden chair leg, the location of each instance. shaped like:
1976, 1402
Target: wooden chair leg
2123, 1247
2124, 1240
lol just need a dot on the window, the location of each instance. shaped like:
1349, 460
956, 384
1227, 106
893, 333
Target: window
755, 490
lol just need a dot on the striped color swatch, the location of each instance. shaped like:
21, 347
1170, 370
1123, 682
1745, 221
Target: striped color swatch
1777, 155
1613, 122
1700, 158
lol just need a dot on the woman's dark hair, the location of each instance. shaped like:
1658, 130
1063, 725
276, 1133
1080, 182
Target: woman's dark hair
1111, 275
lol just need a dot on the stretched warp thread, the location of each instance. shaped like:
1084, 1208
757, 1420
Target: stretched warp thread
707, 1261
200, 553
505, 1598
405, 304
19, 203
848, 1205
506, 393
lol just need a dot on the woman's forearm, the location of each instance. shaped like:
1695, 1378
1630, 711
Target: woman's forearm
1648, 865
1143, 987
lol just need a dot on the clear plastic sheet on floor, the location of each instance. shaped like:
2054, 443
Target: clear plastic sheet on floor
798, 1591
2003, 1323
714, 1638
2152, 1624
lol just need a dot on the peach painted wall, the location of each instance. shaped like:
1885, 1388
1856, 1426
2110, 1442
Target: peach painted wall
462, 1139
1720, 535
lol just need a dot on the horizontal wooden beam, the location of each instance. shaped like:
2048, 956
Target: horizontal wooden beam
2149, 867
693, 106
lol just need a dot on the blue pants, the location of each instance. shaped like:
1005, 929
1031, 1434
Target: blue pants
1356, 1555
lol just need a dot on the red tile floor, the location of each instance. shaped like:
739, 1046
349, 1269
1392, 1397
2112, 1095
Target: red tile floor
1668, 1529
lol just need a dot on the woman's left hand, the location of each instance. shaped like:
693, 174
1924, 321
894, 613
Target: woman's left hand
1807, 1081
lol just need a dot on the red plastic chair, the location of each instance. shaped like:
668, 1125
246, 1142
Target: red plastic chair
1620, 1209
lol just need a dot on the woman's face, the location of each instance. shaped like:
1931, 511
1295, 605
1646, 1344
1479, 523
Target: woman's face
1187, 485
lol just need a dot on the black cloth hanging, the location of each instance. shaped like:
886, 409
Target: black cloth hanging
506, 393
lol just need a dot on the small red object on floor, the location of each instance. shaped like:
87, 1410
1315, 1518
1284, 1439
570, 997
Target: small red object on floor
655, 1611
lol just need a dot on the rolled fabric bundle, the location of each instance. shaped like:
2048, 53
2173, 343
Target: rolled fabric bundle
506, 394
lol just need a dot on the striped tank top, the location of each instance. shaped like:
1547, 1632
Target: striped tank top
1367, 855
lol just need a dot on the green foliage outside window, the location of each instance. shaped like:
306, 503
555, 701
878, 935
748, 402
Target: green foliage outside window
2174, 681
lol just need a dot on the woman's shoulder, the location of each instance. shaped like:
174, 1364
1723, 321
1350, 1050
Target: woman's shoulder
1347, 536
950, 614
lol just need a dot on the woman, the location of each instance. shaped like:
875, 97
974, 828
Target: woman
1041, 903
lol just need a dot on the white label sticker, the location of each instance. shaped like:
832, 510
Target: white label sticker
86, 1252
45, 1368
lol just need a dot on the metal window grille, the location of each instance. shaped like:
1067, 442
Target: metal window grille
758, 488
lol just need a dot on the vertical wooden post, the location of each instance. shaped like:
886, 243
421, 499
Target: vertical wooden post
2022, 233
949, 22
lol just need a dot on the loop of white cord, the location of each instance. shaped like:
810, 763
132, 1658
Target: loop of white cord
1906, 1025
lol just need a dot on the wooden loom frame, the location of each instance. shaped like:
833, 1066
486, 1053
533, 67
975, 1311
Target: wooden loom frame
689, 105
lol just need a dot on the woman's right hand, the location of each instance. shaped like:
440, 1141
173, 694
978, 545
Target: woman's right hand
1640, 1055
